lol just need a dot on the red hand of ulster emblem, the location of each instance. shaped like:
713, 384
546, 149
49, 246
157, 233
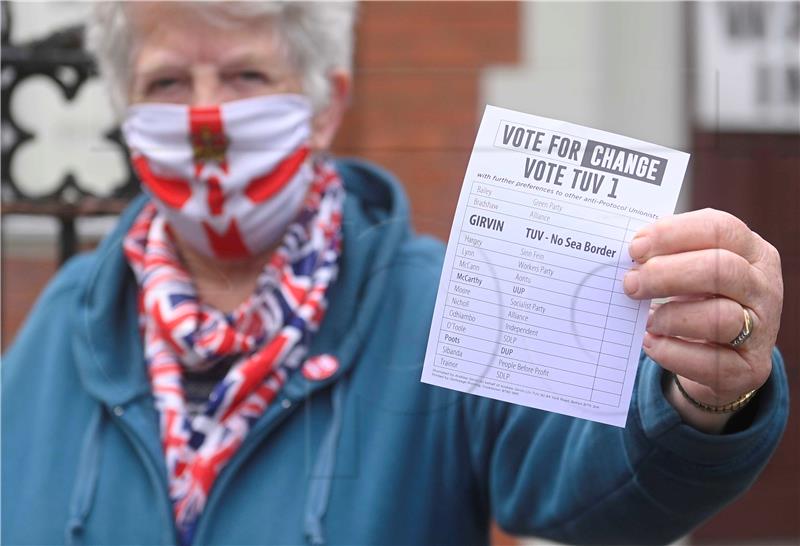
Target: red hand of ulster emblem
209, 142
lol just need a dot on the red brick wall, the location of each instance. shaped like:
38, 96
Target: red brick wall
416, 103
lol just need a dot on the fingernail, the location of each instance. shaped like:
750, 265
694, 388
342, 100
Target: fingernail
650, 319
639, 247
631, 282
647, 341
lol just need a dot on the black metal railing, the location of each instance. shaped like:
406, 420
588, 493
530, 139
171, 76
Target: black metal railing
61, 58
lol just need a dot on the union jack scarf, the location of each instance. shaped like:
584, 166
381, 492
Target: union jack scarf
267, 335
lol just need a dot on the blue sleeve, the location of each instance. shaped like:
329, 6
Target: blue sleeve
576, 481
43, 405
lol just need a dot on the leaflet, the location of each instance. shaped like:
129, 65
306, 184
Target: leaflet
530, 307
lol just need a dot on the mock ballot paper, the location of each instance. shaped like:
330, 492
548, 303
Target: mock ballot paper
530, 307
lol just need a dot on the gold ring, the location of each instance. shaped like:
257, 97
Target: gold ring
747, 330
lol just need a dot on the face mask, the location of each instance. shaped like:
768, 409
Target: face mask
229, 179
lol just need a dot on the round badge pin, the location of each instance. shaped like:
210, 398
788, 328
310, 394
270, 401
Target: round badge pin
320, 367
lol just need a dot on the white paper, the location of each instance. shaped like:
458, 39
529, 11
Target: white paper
530, 307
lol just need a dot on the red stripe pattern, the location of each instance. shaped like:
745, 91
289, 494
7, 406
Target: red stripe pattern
263, 187
268, 335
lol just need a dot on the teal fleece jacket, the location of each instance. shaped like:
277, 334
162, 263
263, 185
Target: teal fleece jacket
367, 456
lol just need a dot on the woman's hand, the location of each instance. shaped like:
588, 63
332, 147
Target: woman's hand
710, 265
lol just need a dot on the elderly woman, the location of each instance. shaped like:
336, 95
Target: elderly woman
239, 361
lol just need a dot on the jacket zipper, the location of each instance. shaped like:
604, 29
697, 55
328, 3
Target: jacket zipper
152, 473
250, 443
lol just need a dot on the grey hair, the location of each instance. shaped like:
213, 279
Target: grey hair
318, 37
